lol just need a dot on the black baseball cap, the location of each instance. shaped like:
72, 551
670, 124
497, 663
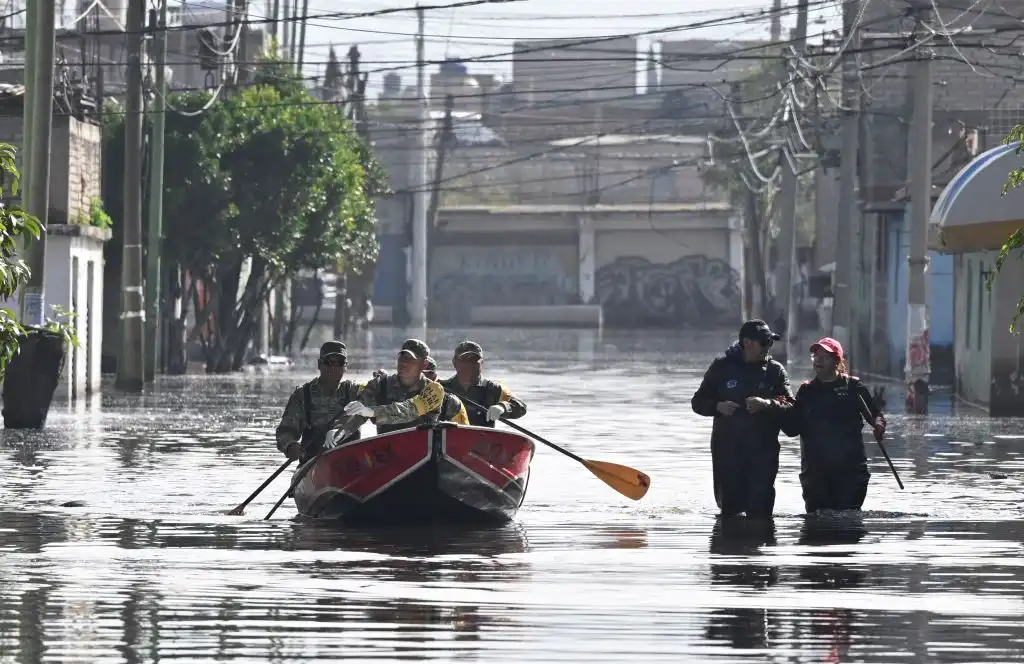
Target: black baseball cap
416, 348
333, 348
469, 348
758, 330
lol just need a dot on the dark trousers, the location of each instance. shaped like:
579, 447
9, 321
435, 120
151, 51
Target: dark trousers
744, 478
834, 490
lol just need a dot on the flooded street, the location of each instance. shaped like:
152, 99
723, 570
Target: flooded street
149, 568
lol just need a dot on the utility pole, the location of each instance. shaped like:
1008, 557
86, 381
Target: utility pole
155, 235
919, 163
418, 308
843, 302
302, 35
786, 267
293, 40
28, 114
38, 188
130, 375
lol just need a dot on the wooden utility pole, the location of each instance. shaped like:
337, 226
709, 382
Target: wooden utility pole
130, 374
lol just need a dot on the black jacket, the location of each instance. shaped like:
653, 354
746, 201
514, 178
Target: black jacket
485, 393
829, 418
729, 378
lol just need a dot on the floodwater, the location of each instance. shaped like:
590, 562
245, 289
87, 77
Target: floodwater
149, 568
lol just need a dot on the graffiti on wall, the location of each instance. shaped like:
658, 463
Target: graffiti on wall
695, 290
463, 277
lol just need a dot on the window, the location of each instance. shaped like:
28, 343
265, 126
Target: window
970, 303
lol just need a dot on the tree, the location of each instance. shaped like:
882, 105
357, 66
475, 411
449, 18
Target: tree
15, 224
1016, 239
260, 185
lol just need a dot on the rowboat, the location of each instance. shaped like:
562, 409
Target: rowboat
434, 473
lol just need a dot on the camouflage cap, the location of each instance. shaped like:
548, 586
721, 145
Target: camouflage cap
430, 364
416, 348
468, 347
333, 348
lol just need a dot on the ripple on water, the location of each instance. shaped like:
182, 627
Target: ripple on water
143, 564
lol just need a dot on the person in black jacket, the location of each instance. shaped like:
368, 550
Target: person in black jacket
828, 415
747, 393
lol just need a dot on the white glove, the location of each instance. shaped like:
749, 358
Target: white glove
358, 408
495, 412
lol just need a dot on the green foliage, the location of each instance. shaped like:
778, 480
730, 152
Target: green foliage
98, 217
260, 183
15, 224
62, 322
1016, 239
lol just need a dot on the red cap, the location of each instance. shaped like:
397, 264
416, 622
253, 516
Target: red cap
829, 345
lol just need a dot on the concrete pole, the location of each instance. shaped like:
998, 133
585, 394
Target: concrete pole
154, 243
302, 35
786, 267
843, 303
38, 191
28, 119
130, 376
919, 162
418, 308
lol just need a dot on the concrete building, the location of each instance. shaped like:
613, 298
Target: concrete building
974, 220
696, 73
563, 72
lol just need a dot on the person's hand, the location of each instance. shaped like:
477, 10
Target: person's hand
757, 404
727, 407
355, 408
293, 451
879, 426
380, 373
495, 412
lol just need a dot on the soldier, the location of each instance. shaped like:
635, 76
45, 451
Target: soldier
469, 382
317, 406
747, 392
407, 398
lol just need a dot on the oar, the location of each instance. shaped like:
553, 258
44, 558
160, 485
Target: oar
238, 511
342, 435
630, 482
878, 439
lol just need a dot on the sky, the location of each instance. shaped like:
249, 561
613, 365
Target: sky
388, 42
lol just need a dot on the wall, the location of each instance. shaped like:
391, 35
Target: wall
972, 338
1007, 395
940, 299
524, 270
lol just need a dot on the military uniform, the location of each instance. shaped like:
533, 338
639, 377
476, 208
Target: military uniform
312, 411
483, 392
397, 407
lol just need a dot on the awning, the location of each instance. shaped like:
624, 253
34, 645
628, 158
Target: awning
972, 214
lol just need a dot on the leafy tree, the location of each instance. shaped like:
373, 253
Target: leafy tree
259, 185
1016, 239
15, 224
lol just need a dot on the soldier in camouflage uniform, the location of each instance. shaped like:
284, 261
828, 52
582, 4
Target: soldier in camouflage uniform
317, 407
469, 382
407, 398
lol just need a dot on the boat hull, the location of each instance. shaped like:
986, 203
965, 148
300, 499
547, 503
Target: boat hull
438, 473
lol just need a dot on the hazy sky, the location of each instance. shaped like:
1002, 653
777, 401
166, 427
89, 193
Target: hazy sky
387, 42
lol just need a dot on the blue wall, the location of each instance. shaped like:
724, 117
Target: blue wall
941, 287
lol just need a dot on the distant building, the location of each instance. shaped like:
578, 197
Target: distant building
566, 71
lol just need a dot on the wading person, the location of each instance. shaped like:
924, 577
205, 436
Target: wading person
407, 398
317, 406
747, 394
468, 382
828, 415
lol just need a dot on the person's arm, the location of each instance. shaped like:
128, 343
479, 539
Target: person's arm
513, 405
428, 400
705, 399
792, 419
456, 410
782, 400
873, 416
289, 430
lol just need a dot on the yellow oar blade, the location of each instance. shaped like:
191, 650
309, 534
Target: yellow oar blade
630, 482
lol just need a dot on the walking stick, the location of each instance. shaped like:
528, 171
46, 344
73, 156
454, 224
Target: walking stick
878, 439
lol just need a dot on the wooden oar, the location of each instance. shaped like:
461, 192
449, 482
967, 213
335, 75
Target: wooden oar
630, 482
878, 439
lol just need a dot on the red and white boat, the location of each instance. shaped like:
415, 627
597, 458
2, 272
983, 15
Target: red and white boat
438, 473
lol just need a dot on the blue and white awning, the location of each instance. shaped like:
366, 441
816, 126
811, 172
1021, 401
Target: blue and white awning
972, 214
